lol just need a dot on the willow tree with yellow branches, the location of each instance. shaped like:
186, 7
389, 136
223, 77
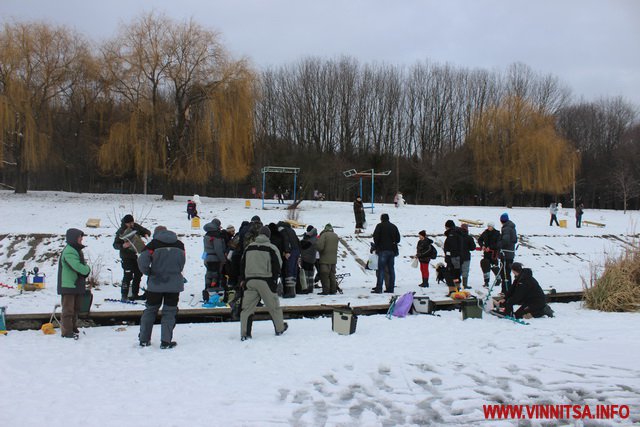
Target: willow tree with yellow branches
516, 148
190, 107
37, 63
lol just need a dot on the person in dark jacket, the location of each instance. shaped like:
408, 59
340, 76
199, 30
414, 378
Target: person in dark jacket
527, 293
468, 246
358, 211
261, 264
192, 211
291, 253
579, 212
215, 248
425, 252
385, 238
308, 257
128, 257
72, 278
162, 262
488, 242
453, 246
507, 245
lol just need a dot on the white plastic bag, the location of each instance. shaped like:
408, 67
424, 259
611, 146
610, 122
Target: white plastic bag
372, 263
415, 262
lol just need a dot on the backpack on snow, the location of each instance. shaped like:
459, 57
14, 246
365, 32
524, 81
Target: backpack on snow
403, 304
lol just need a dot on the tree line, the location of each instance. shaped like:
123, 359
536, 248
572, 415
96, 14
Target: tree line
162, 107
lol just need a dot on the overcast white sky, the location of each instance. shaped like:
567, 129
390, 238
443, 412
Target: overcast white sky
591, 45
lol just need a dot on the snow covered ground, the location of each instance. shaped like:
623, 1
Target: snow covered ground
421, 370
33, 225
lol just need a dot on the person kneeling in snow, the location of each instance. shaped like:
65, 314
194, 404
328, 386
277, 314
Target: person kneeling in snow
526, 292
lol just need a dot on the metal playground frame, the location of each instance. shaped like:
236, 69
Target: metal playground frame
278, 169
369, 174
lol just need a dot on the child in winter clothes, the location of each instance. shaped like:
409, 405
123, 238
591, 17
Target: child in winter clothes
424, 253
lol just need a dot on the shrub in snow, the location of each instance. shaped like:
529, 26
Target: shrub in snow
618, 288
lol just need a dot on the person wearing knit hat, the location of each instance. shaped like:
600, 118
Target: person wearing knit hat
72, 273
260, 269
527, 293
449, 224
327, 246
507, 245
308, 252
488, 242
386, 238
130, 231
215, 247
425, 252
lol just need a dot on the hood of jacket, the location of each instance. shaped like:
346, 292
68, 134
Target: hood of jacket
212, 226
165, 236
525, 274
261, 238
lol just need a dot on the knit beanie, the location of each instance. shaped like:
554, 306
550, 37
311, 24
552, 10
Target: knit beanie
504, 217
127, 219
255, 218
422, 233
449, 224
328, 227
265, 231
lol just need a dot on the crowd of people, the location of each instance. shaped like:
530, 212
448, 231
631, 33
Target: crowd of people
261, 262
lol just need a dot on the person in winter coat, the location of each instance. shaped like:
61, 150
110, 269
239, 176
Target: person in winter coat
385, 238
553, 210
261, 264
308, 252
162, 261
291, 253
527, 293
192, 212
425, 252
488, 242
468, 246
128, 257
235, 247
215, 248
358, 211
72, 278
507, 245
250, 232
327, 246
579, 212
453, 247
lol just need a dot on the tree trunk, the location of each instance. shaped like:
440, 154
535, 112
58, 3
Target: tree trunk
167, 187
22, 181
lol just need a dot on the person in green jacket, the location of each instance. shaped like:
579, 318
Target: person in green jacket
327, 246
72, 279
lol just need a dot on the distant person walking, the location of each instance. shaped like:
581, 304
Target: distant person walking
72, 278
553, 210
579, 212
358, 211
162, 261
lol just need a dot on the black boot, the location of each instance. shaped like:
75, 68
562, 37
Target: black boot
425, 283
247, 335
166, 344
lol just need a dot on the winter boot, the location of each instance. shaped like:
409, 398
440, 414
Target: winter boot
168, 344
124, 293
247, 335
548, 311
286, 326
425, 282
465, 283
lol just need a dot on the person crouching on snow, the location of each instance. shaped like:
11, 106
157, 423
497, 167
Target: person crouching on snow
527, 293
162, 261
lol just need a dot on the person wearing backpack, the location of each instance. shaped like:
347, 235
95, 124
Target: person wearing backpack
425, 252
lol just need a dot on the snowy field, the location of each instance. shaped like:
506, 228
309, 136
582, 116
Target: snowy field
418, 371
33, 226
